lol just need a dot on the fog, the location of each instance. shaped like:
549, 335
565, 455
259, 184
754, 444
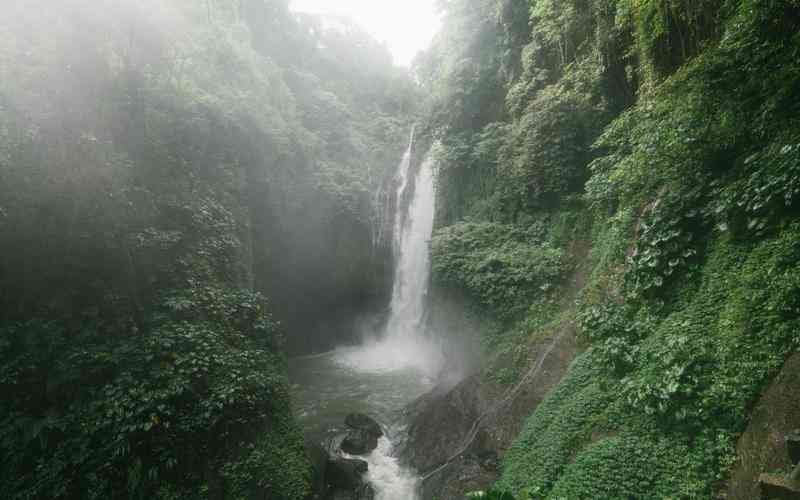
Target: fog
192, 194
407, 27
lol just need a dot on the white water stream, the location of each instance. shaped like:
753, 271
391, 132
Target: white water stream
391, 369
404, 344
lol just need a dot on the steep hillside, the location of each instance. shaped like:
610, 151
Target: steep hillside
664, 136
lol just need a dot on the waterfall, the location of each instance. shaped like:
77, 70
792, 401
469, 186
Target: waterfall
401, 179
383, 211
404, 343
412, 231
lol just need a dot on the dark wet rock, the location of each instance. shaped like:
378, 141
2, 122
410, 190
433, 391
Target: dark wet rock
365, 492
766, 446
333, 443
464, 474
318, 457
364, 423
359, 442
778, 487
345, 478
345, 473
457, 434
793, 446
440, 421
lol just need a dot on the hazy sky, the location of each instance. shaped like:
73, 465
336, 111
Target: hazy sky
406, 26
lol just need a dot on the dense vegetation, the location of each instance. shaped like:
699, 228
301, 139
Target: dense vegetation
164, 168
662, 138
188, 190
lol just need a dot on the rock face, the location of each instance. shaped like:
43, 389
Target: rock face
778, 487
365, 492
767, 447
364, 423
344, 479
358, 442
340, 478
345, 473
318, 457
458, 434
363, 435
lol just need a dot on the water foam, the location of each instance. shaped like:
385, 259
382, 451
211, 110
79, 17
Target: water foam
393, 353
390, 479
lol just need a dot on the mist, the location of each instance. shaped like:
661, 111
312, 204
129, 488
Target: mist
190, 193
431, 249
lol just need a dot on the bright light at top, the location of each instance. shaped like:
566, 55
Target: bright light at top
406, 26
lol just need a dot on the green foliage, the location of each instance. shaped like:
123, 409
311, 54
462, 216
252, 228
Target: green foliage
275, 463
708, 360
615, 330
668, 32
767, 190
634, 466
504, 267
498, 165
158, 162
668, 235
548, 147
161, 406
690, 307
507, 345
665, 383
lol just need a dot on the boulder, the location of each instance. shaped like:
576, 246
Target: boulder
778, 487
359, 442
365, 492
793, 446
364, 423
345, 473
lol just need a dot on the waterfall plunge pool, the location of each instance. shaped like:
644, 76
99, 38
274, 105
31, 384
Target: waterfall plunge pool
378, 379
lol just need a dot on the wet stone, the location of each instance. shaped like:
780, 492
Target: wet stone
778, 487
359, 442
793, 446
345, 473
364, 423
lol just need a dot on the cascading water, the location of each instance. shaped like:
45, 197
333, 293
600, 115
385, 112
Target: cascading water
404, 344
412, 234
391, 369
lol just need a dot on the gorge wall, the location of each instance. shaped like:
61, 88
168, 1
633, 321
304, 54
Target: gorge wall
624, 173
